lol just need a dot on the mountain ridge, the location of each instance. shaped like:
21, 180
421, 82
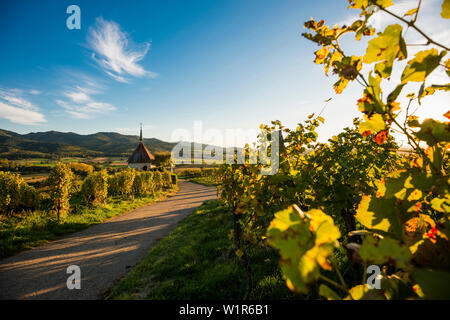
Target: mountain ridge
53, 143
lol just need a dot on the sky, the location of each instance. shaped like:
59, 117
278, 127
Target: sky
174, 66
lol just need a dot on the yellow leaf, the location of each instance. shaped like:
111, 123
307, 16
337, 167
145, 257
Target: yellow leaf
410, 12
375, 123
422, 65
445, 9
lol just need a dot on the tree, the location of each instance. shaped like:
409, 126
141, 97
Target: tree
95, 187
60, 183
16, 194
163, 159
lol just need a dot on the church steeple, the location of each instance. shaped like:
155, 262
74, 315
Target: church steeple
141, 157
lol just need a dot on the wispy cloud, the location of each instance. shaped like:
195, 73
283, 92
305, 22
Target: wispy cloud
15, 108
80, 103
114, 52
134, 130
87, 110
80, 94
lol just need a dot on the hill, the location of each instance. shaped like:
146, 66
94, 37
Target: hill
68, 144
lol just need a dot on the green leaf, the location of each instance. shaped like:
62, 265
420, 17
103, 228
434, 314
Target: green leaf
375, 123
328, 293
396, 288
432, 89
304, 244
379, 214
433, 132
434, 284
386, 47
384, 68
362, 292
394, 94
422, 65
386, 250
445, 9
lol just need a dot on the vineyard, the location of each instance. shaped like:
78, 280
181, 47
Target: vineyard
74, 196
359, 216
205, 176
337, 211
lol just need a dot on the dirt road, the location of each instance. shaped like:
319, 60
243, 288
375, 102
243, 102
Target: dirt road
104, 252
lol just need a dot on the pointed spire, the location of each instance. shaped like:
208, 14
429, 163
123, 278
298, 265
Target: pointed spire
140, 138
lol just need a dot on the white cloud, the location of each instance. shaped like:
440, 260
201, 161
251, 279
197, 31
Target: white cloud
82, 105
17, 109
134, 130
35, 92
20, 115
13, 96
80, 95
87, 110
113, 52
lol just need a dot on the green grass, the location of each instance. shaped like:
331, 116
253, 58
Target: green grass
35, 228
206, 181
195, 262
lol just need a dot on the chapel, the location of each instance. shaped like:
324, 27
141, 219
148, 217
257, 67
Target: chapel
141, 158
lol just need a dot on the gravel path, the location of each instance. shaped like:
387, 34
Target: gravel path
104, 252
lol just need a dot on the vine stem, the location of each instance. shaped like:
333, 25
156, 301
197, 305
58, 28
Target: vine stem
341, 278
412, 25
417, 12
364, 273
416, 145
334, 283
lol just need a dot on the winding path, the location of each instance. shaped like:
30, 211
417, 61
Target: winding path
104, 252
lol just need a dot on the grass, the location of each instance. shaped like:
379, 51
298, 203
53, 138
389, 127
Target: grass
195, 262
35, 228
206, 181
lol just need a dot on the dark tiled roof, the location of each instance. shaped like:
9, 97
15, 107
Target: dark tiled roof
141, 155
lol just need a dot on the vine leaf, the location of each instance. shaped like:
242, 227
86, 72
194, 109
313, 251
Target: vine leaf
362, 292
328, 293
434, 284
379, 214
375, 123
304, 242
386, 47
422, 65
386, 250
410, 12
445, 9
433, 132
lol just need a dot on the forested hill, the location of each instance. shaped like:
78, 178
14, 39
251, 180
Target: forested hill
54, 143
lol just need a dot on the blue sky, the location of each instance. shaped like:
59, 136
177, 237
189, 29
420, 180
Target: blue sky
231, 64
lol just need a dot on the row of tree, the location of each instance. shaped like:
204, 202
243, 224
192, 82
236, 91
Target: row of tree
63, 185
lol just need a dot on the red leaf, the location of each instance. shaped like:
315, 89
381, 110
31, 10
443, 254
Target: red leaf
381, 137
